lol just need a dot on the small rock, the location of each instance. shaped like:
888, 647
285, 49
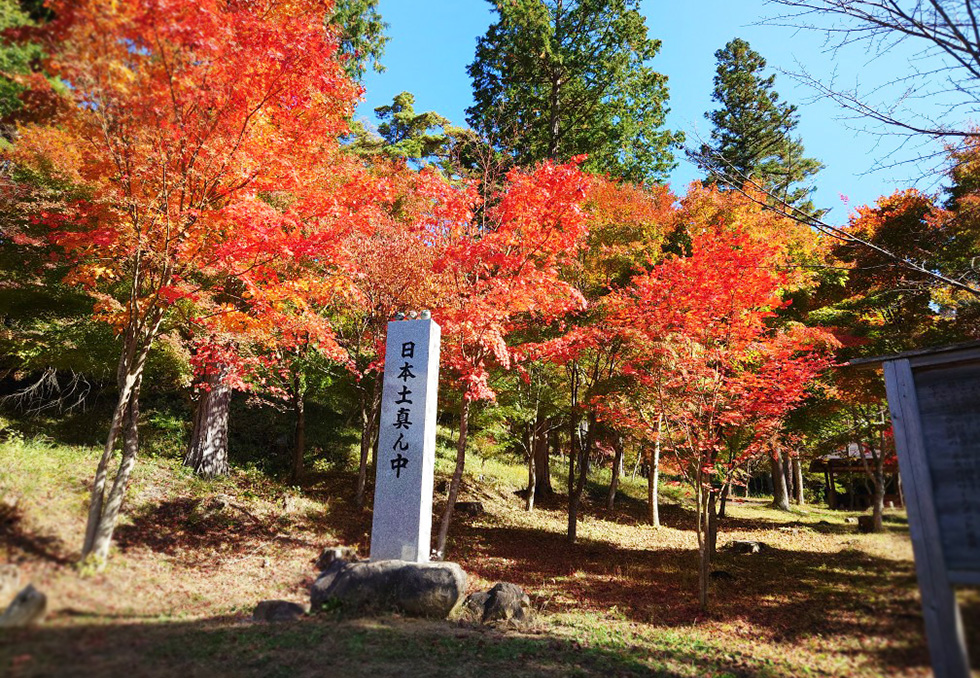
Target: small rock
474, 606
335, 553
27, 608
747, 547
850, 520
506, 602
219, 502
278, 611
470, 508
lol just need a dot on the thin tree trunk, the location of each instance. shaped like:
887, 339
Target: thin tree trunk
572, 456
788, 474
447, 514
102, 538
542, 459
798, 485
370, 411
530, 443
96, 502
879, 497
636, 465
780, 498
705, 498
713, 517
616, 470
584, 451
653, 478
726, 488
554, 103
299, 447
208, 450
129, 375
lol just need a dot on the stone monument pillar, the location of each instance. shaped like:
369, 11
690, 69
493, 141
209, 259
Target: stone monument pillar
402, 523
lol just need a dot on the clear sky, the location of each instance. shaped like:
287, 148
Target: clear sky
433, 41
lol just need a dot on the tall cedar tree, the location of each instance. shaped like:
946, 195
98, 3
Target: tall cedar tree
752, 136
553, 79
362, 36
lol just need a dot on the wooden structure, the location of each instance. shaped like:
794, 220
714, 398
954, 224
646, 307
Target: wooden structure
848, 463
934, 398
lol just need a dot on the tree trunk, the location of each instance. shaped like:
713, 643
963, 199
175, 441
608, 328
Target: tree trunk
208, 450
707, 536
878, 509
617, 468
542, 459
788, 474
370, 411
299, 444
725, 490
530, 445
102, 538
554, 100
780, 498
447, 514
583, 451
713, 517
653, 478
103, 511
798, 485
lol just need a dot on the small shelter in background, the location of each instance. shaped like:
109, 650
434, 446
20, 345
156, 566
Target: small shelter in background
851, 470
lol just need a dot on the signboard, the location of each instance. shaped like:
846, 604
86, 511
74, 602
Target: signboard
934, 398
402, 521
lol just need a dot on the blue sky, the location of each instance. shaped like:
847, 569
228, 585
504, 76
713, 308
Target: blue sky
433, 41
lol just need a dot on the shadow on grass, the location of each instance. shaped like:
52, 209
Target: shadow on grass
191, 530
16, 538
790, 595
388, 646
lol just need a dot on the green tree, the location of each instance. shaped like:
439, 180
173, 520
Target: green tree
752, 137
559, 78
362, 35
403, 133
16, 61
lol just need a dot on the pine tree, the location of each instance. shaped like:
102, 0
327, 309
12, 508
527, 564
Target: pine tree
752, 137
403, 133
559, 78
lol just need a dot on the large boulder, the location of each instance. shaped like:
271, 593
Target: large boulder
27, 608
417, 589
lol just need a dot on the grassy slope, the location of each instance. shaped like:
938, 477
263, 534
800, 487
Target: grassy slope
187, 572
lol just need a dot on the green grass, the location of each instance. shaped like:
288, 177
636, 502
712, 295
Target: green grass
183, 579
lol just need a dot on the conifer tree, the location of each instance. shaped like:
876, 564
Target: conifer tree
752, 136
559, 78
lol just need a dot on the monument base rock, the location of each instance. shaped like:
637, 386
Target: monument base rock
416, 589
